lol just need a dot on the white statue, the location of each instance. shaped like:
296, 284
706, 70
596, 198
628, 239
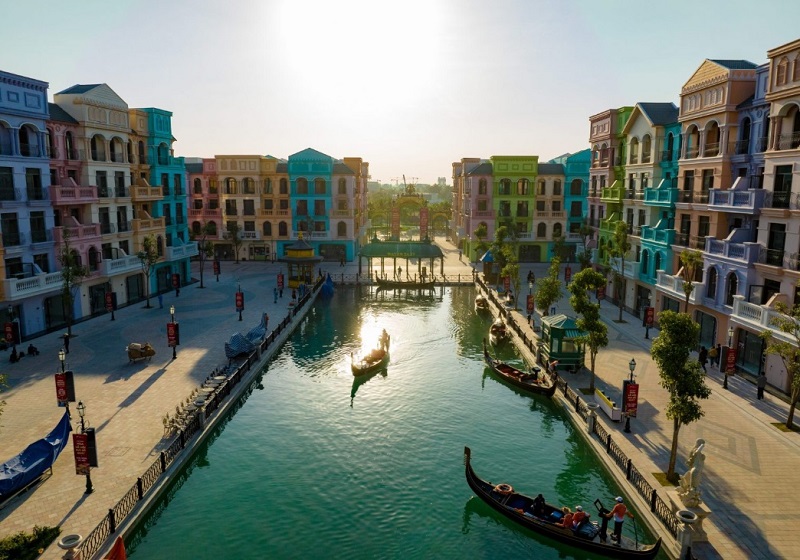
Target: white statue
689, 490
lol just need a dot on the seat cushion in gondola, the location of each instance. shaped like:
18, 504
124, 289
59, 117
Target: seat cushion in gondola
587, 530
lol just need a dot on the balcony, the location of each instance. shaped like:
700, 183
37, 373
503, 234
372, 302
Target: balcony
698, 242
37, 196
249, 235
317, 235
549, 214
692, 153
14, 239
146, 226
745, 201
341, 213
743, 253
609, 225
789, 141
664, 196
682, 239
70, 193
785, 200
772, 257
184, 251
673, 287
143, 191
123, 265
629, 270
758, 318
78, 233
666, 156
711, 150
613, 194
761, 144
9, 194
117, 157
19, 288
740, 147
654, 235
41, 236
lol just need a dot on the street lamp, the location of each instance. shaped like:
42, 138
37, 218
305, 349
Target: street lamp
530, 287
62, 357
725, 373
632, 367
82, 413
172, 318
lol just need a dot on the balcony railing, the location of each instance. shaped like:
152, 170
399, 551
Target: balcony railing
685, 196
77, 234
117, 157
789, 141
772, 257
14, 239
30, 150
41, 235
10, 194
177, 252
682, 239
742, 200
761, 144
146, 192
73, 194
123, 265
37, 193
744, 252
740, 147
661, 196
249, 235
673, 285
32, 285
711, 150
666, 155
646, 157
758, 317
697, 242
781, 199
663, 237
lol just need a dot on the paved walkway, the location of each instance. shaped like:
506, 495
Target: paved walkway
751, 469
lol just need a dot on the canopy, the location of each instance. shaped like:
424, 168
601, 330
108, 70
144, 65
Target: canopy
487, 257
401, 249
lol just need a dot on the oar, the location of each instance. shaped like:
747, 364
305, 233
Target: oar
636, 533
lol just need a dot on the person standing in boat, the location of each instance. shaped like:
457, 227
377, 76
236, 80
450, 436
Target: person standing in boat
618, 512
384, 340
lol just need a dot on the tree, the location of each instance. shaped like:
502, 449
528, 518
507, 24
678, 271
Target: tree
619, 251
148, 257
481, 233
548, 289
683, 378
585, 256
788, 323
511, 269
2, 387
690, 262
205, 247
72, 274
233, 233
596, 332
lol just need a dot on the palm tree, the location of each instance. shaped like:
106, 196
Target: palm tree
691, 262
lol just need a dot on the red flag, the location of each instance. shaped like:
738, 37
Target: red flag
117, 551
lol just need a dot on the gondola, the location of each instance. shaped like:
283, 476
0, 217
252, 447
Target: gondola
481, 303
519, 508
385, 284
498, 332
537, 382
375, 359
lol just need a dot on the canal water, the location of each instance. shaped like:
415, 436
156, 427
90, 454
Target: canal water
314, 465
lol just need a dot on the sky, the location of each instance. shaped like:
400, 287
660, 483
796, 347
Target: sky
409, 86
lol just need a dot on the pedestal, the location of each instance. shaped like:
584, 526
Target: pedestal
69, 543
701, 511
592, 416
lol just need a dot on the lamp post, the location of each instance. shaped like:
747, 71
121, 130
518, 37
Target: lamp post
11, 325
632, 367
82, 413
172, 319
725, 374
62, 357
530, 287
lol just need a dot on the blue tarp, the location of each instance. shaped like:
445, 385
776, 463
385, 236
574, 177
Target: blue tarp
327, 287
19, 471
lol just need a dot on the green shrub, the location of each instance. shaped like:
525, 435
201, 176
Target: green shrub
27, 546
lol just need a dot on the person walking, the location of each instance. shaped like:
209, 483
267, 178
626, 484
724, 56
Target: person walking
66, 342
713, 355
618, 512
760, 384
719, 354
703, 357
275, 293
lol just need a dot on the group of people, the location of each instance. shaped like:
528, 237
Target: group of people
16, 356
574, 520
713, 355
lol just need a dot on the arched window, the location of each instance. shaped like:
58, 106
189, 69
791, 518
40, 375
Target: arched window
576, 187
557, 230
482, 186
541, 230
284, 186
282, 229
557, 187
712, 140
230, 186
668, 148
163, 154
542, 187
692, 142
51, 145
711, 285
658, 262
198, 186
212, 228
341, 229
522, 187
505, 186
267, 229
646, 147
342, 186
69, 145
646, 263
782, 72
320, 187
249, 186
98, 148
267, 186
733, 288
196, 227
634, 151
742, 146
94, 259
302, 185
129, 149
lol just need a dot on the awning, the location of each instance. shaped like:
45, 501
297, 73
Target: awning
487, 257
400, 249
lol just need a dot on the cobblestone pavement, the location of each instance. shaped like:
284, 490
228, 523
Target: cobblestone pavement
751, 467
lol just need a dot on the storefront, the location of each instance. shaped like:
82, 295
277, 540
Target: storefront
749, 351
708, 329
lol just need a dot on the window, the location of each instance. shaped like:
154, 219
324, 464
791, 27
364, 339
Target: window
302, 185
505, 187
645, 181
342, 186
783, 186
576, 209
557, 187
250, 226
703, 226
267, 229
41, 260
782, 72
249, 208
98, 148
38, 229
165, 184
230, 186
249, 186
267, 186
320, 187
634, 151
541, 231
230, 208
179, 213
268, 204
482, 186
302, 208
733, 288
341, 229
198, 186
688, 180
632, 181
576, 187
119, 184
658, 261
504, 210
708, 179
283, 230
177, 184
284, 188
522, 209
483, 205
542, 188
522, 187
557, 230
166, 211
101, 179
196, 227
319, 208
555, 206
646, 147
212, 186
213, 204
711, 285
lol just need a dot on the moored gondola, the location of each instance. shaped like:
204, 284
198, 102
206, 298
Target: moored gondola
498, 332
481, 303
535, 382
399, 284
542, 519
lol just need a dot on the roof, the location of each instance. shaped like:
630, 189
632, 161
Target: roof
660, 114
481, 169
59, 114
564, 323
341, 169
551, 169
194, 167
735, 64
402, 249
79, 88
282, 167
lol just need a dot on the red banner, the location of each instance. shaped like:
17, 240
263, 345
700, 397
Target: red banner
109, 301
649, 316
80, 445
280, 280
61, 388
506, 283
216, 268
423, 222
730, 361
631, 399
9, 329
601, 293
530, 306
567, 273
239, 301
172, 334
176, 280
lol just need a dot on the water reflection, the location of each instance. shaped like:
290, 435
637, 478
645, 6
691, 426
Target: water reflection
360, 380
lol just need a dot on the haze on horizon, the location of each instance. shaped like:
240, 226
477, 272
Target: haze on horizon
410, 87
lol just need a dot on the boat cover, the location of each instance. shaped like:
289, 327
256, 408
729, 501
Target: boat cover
240, 344
327, 287
19, 471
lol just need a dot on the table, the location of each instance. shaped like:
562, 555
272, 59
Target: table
220, 378
208, 390
199, 402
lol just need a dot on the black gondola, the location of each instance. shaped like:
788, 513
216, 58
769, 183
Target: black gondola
498, 332
519, 508
536, 382
399, 284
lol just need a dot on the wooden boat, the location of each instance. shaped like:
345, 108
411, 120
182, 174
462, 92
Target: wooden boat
375, 359
481, 303
498, 332
385, 284
519, 508
538, 382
